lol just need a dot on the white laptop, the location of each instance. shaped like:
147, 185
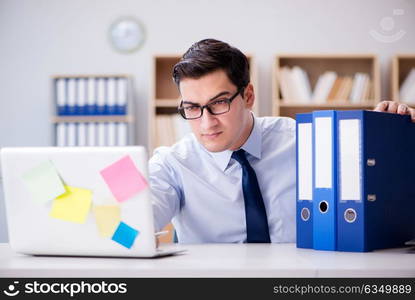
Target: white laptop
79, 201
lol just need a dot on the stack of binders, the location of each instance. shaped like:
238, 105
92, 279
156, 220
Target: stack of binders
91, 96
355, 171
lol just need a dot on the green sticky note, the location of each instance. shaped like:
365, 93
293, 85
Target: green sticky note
107, 218
73, 206
43, 182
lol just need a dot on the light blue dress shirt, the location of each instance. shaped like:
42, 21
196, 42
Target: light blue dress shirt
201, 191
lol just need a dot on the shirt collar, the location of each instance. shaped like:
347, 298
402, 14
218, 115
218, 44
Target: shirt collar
252, 145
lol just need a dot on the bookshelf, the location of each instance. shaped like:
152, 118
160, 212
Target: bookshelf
285, 102
402, 64
165, 99
92, 110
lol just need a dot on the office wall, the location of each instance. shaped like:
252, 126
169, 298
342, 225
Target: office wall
41, 38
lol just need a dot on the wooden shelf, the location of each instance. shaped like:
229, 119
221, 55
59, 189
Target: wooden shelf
85, 119
330, 104
92, 76
315, 65
401, 66
165, 88
167, 102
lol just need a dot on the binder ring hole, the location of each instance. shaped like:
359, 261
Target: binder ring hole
350, 215
323, 206
305, 214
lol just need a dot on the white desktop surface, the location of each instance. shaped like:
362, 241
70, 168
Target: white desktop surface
218, 260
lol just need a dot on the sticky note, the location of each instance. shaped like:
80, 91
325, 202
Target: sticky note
73, 206
125, 235
123, 179
43, 182
107, 218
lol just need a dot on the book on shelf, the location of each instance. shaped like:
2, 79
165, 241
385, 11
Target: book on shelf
407, 89
330, 87
170, 128
360, 83
323, 87
295, 84
345, 89
301, 83
334, 91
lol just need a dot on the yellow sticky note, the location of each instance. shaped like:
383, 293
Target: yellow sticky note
72, 206
107, 218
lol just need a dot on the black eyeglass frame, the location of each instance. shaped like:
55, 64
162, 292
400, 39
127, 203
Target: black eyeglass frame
207, 106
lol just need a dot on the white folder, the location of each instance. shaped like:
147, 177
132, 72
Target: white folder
61, 134
122, 134
101, 134
71, 131
91, 136
81, 130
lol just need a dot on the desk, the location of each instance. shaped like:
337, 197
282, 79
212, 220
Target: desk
219, 260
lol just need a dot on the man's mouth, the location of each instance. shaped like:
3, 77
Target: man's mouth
211, 135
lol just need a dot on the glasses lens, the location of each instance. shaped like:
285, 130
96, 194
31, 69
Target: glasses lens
219, 107
191, 111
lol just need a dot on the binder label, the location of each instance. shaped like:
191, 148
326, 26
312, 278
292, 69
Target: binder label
350, 173
324, 152
305, 160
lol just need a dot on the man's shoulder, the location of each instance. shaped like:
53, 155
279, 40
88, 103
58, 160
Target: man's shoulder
181, 150
278, 136
277, 124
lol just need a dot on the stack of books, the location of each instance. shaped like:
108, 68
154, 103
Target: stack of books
170, 128
330, 87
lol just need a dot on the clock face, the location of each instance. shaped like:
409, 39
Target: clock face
126, 35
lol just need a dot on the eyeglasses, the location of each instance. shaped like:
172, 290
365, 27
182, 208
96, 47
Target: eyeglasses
217, 107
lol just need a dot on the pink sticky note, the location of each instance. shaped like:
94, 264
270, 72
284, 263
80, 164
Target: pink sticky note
124, 179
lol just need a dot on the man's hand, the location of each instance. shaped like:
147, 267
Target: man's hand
396, 108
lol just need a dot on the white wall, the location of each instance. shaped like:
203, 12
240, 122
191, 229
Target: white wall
39, 38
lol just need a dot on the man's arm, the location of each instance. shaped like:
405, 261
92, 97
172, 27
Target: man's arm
165, 190
396, 107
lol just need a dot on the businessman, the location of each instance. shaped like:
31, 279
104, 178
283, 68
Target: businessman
233, 179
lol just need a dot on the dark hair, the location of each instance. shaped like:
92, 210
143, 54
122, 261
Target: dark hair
209, 55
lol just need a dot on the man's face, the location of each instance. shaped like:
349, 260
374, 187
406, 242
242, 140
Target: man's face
219, 132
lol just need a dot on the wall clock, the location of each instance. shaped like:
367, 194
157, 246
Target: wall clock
126, 35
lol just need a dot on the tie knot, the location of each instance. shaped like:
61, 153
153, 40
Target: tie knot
239, 156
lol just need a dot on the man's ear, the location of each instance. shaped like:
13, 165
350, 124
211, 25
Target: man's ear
249, 96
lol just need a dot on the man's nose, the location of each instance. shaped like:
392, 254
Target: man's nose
207, 120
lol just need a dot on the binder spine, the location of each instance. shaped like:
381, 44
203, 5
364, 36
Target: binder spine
121, 101
92, 97
350, 206
60, 94
81, 96
71, 94
324, 180
111, 96
101, 96
304, 171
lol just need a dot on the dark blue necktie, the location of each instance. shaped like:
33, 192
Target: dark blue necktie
256, 216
